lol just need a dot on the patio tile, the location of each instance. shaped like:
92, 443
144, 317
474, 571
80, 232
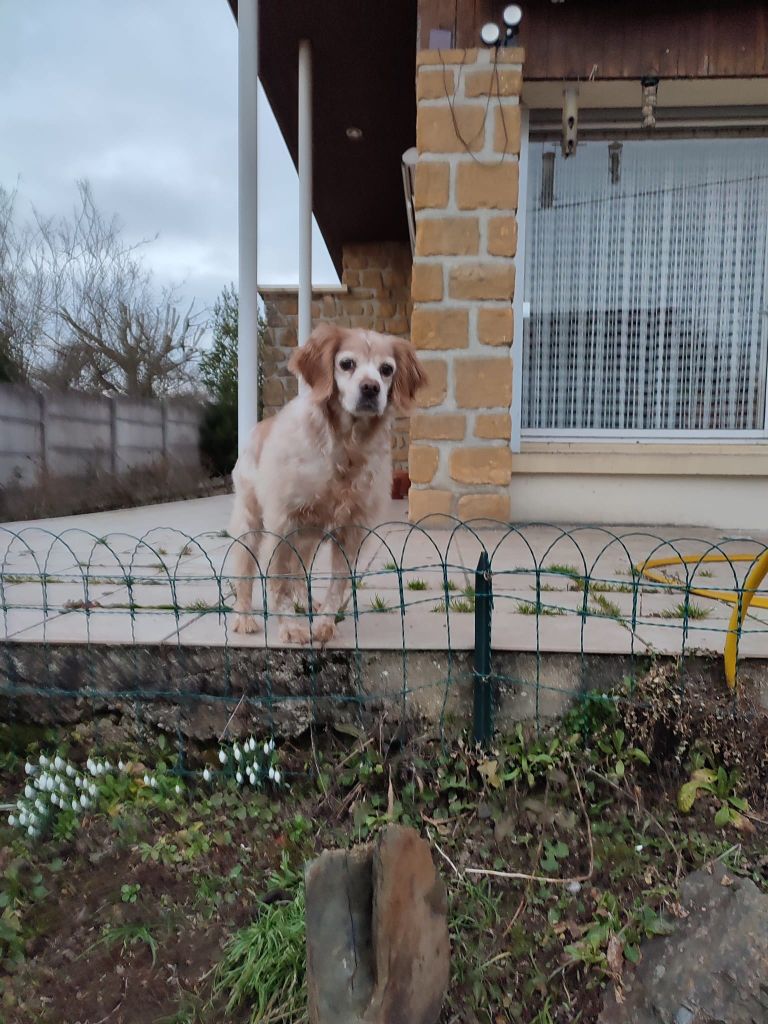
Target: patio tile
104, 627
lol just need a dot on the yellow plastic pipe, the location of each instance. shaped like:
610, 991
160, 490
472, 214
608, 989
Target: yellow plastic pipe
741, 600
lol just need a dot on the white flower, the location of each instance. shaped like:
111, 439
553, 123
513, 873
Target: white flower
29, 792
178, 789
40, 805
574, 888
12, 820
107, 766
43, 760
75, 805
58, 763
237, 752
272, 773
120, 766
153, 782
83, 800
93, 790
29, 768
31, 832
70, 770
639, 848
266, 749
277, 777
23, 818
239, 778
55, 800
271, 746
223, 756
89, 764
207, 775
146, 780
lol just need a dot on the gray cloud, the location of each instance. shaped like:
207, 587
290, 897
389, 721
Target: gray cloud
140, 97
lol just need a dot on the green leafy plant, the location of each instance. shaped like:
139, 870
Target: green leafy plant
417, 585
130, 893
613, 746
126, 935
720, 784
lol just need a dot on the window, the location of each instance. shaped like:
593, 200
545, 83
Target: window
647, 279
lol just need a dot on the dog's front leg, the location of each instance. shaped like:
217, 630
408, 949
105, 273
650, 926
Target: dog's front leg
345, 548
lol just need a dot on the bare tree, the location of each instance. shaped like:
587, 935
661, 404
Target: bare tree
100, 324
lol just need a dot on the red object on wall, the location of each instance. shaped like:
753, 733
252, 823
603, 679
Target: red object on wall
401, 484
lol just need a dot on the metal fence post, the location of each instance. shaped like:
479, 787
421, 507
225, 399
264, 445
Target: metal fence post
483, 696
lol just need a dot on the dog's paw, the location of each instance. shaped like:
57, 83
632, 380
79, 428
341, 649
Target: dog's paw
323, 632
245, 623
295, 634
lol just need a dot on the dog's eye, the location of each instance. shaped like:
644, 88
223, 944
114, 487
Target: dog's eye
347, 364
386, 370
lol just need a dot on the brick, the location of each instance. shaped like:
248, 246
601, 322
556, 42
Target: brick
436, 131
487, 186
435, 84
371, 279
273, 392
439, 328
482, 281
424, 57
431, 184
509, 116
351, 278
504, 82
483, 383
481, 465
447, 236
427, 282
423, 460
502, 236
289, 305
511, 55
426, 503
493, 426
495, 326
434, 391
396, 325
426, 426
484, 506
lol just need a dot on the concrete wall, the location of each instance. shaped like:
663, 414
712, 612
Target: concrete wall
73, 434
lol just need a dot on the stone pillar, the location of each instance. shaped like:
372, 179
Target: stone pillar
466, 191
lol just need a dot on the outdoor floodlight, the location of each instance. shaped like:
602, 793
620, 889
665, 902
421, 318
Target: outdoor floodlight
491, 34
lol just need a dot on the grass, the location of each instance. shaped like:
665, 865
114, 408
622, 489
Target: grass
532, 608
564, 569
417, 585
390, 567
607, 607
126, 935
263, 965
681, 611
461, 605
379, 604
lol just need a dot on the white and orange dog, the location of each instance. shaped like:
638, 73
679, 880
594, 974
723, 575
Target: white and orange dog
321, 467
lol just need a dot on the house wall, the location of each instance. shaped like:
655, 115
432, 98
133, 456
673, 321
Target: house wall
73, 434
466, 194
601, 39
375, 294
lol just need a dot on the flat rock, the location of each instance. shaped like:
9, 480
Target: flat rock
377, 933
712, 970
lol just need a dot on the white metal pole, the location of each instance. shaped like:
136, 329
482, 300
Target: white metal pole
305, 190
247, 159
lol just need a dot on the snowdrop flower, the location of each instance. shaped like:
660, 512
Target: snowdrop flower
277, 777
266, 749
23, 818
43, 760
639, 848
84, 800
89, 765
58, 763
12, 821
207, 775
70, 770
29, 768
239, 778
75, 805
40, 805
237, 752
153, 782
272, 774
120, 766
178, 789
146, 780
223, 756
29, 792
107, 766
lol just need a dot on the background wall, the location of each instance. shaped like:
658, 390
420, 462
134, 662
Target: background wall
75, 434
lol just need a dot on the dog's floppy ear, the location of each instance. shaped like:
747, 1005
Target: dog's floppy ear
409, 375
313, 362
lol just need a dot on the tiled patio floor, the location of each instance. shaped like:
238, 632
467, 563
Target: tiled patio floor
158, 575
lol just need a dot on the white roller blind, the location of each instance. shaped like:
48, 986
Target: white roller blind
648, 287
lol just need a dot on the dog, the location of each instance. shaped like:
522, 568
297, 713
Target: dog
321, 468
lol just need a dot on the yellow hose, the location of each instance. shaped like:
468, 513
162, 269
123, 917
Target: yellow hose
741, 600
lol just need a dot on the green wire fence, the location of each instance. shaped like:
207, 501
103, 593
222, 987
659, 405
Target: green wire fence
470, 620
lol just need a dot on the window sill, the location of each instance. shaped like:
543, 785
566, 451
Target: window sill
605, 458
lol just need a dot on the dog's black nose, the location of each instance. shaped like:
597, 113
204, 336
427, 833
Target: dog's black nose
369, 388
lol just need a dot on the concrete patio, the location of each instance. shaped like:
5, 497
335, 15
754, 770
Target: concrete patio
161, 575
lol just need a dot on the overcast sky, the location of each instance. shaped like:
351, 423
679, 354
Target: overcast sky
140, 97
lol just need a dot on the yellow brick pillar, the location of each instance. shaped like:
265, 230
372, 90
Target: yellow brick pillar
463, 283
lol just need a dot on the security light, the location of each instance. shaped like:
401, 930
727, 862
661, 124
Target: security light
513, 15
354, 134
490, 34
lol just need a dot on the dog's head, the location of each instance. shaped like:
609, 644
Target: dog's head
363, 371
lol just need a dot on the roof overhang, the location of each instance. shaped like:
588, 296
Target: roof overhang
363, 58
